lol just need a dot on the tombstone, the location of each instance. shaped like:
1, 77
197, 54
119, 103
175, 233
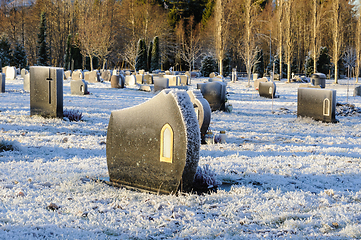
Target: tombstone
276, 76
148, 79
139, 78
255, 76
79, 87
67, 74
234, 75
215, 79
141, 72
160, 154
167, 72
212, 75
116, 82
183, 80
3, 70
2, 82
92, 76
257, 81
106, 75
10, 73
23, 72
173, 80
188, 74
77, 75
203, 112
26, 85
267, 89
146, 87
46, 91
319, 104
318, 79
130, 80
357, 91
214, 93
160, 84
115, 72
127, 73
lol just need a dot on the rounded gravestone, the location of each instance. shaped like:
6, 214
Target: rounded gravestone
318, 79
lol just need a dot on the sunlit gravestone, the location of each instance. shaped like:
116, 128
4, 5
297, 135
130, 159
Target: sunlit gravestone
267, 89
214, 93
46, 91
319, 104
79, 87
2, 82
26, 84
92, 76
160, 154
257, 81
77, 75
116, 81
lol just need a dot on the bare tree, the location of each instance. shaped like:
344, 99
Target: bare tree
280, 32
358, 44
315, 42
337, 35
289, 38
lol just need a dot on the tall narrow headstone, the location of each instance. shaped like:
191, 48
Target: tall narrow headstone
26, 85
160, 154
2, 82
319, 104
46, 91
23, 72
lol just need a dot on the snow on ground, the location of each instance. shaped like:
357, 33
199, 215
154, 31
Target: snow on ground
284, 177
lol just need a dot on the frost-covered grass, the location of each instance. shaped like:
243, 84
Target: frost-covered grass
284, 177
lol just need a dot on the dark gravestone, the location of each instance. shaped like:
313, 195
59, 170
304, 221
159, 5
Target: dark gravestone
106, 75
26, 85
116, 82
357, 91
160, 84
92, 76
2, 82
79, 87
214, 93
318, 79
160, 154
46, 91
267, 89
203, 111
319, 104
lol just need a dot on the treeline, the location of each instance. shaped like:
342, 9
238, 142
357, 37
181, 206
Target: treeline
301, 36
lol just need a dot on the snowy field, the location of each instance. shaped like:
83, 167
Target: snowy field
284, 177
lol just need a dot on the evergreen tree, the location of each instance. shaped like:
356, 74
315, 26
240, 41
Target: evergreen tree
141, 60
207, 13
324, 61
259, 66
19, 56
149, 57
155, 62
42, 44
67, 57
5, 51
226, 66
209, 65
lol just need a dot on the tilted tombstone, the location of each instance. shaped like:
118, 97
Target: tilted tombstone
77, 75
160, 84
214, 93
116, 82
257, 81
26, 85
173, 80
183, 80
160, 154
318, 79
139, 78
79, 87
267, 89
148, 79
357, 91
319, 104
130, 80
2, 82
46, 91
92, 76
10, 73
203, 111
67, 74
106, 75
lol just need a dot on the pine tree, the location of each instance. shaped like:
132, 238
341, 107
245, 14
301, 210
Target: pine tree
5, 51
207, 13
209, 65
19, 56
155, 62
141, 60
259, 66
149, 57
42, 44
67, 57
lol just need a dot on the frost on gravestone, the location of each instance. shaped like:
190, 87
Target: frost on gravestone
130, 80
10, 73
106, 75
319, 104
46, 91
203, 111
26, 85
214, 93
77, 75
92, 76
158, 155
79, 87
267, 89
2, 82
160, 84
